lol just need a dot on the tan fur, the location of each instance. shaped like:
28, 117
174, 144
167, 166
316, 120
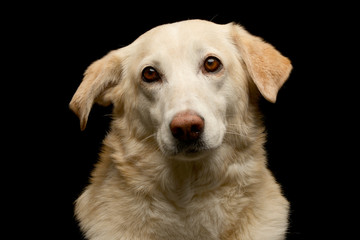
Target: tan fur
140, 191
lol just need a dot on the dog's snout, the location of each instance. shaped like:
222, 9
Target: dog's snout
187, 126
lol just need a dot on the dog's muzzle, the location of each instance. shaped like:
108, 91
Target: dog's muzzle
187, 128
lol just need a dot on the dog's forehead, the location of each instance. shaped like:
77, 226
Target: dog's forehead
180, 35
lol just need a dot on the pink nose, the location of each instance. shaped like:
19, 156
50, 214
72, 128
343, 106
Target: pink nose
187, 126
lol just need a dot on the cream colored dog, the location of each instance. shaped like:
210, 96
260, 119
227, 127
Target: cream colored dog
184, 158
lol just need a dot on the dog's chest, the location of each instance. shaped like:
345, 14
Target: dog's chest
187, 210
199, 219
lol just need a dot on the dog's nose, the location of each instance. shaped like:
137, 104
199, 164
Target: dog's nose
187, 126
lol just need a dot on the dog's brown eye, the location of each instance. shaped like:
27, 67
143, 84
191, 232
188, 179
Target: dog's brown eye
149, 74
212, 64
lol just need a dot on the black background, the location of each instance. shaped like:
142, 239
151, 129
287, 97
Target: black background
49, 47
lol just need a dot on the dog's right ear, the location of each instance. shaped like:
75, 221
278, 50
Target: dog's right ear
99, 78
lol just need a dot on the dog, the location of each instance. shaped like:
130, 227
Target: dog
185, 157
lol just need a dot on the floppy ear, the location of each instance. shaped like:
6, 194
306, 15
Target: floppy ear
267, 67
99, 78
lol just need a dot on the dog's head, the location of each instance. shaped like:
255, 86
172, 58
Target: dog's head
184, 84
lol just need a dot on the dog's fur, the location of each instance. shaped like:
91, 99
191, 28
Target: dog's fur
146, 184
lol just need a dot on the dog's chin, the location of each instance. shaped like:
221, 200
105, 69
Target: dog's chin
192, 155
191, 152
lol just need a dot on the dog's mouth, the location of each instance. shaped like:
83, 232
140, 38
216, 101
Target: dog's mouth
190, 148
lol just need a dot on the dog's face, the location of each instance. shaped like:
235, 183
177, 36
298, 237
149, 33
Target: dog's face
182, 84
185, 85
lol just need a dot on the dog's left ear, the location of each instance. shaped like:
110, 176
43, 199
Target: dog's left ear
267, 67
99, 79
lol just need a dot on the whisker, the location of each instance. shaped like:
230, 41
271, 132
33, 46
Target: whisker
146, 138
236, 125
235, 133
